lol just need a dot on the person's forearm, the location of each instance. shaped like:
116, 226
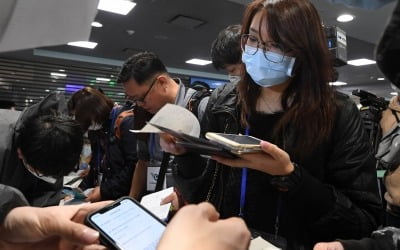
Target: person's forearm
138, 185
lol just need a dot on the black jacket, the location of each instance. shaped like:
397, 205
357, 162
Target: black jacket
12, 171
114, 158
121, 158
383, 239
336, 198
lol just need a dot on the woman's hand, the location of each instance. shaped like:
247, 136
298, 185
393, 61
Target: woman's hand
272, 160
173, 199
94, 195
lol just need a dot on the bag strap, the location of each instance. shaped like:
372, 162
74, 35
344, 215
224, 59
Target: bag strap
118, 121
395, 115
162, 172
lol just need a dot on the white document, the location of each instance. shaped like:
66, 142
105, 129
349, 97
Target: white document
28, 24
261, 244
152, 203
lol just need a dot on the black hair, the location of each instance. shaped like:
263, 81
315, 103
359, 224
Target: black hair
226, 47
141, 67
51, 144
199, 85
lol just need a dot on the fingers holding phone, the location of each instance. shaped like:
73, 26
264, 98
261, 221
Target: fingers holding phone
271, 160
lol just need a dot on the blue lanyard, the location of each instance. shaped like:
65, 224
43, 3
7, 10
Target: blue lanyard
243, 186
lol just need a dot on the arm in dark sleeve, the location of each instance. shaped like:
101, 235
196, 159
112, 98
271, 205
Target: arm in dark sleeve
383, 239
347, 205
10, 198
124, 149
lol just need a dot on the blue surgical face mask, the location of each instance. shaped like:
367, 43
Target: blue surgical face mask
268, 73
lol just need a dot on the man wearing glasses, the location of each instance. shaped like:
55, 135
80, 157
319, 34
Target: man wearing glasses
147, 83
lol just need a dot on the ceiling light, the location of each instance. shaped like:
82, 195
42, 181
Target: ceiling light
337, 83
102, 79
361, 62
345, 18
121, 7
83, 44
393, 93
97, 24
380, 79
58, 74
198, 61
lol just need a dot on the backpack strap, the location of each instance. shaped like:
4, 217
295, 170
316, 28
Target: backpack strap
117, 124
162, 172
194, 101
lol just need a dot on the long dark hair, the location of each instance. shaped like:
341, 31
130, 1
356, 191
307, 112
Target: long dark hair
308, 101
89, 106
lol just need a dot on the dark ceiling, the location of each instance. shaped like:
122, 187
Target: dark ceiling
151, 26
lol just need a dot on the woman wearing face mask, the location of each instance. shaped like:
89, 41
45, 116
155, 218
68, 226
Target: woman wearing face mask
315, 179
107, 162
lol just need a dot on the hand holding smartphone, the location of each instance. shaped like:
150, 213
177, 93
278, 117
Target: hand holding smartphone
237, 144
127, 225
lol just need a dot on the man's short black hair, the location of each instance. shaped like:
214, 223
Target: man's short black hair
141, 67
51, 144
199, 85
226, 47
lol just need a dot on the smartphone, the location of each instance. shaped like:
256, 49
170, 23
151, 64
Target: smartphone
237, 144
125, 224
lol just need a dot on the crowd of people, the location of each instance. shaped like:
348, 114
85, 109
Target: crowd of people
313, 185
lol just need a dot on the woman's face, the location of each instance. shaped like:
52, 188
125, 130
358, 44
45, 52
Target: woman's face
258, 27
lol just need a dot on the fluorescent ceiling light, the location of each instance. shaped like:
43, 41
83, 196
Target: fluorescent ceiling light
121, 7
58, 74
361, 62
337, 83
83, 44
97, 24
198, 61
101, 79
393, 93
345, 18
380, 79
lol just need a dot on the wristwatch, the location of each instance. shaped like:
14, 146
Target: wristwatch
286, 183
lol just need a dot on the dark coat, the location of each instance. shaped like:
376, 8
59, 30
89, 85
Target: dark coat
336, 198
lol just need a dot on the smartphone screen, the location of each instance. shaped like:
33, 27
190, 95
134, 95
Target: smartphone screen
127, 225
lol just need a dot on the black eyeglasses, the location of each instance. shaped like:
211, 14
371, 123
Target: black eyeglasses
250, 45
147, 92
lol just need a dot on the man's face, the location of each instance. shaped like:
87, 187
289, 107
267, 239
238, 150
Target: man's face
148, 95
